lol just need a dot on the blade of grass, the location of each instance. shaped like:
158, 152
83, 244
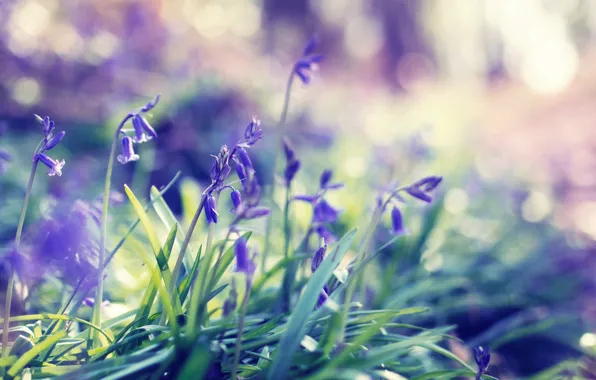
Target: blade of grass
33, 352
296, 329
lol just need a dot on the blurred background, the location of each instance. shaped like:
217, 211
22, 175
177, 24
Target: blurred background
497, 96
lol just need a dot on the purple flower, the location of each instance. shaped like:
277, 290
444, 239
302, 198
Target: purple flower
210, 210
324, 232
253, 132
318, 258
241, 173
324, 212
288, 150
307, 198
397, 221
323, 296
256, 212
47, 124
291, 171
482, 358
90, 302
420, 189
244, 159
149, 106
308, 62
55, 166
236, 199
244, 263
221, 166
325, 180
128, 153
428, 183
52, 142
143, 131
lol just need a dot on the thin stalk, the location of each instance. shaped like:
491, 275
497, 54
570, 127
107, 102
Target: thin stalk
11, 276
281, 130
240, 330
197, 291
290, 272
104, 232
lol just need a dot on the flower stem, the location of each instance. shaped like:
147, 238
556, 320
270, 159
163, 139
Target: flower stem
281, 130
198, 287
96, 319
290, 268
240, 330
11, 275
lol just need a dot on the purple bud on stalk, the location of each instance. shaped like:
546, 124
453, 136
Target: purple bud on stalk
139, 124
318, 258
241, 173
291, 171
54, 140
397, 221
256, 212
417, 193
325, 213
482, 358
55, 166
288, 151
325, 178
244, 158
253, 132
243, 262
128, 153
149, 106
323, 296
236, 199
210, 210
428, 183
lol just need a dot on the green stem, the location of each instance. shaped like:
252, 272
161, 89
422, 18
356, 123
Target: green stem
290, 271
103, 233
197, 288
11, 276
240, 330
281, 130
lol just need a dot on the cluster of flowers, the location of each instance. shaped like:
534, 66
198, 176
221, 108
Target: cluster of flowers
143, 133
49, 141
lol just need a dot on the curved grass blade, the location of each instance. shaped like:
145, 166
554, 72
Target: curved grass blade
296, 326
59, 317
33, 352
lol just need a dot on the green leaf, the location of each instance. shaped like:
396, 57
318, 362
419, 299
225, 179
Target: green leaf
296, 326
33, 352
184, 287
59, 317
197, 363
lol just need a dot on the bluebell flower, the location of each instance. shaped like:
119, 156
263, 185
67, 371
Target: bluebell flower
397, 221
324, 233
236, 199
421, 188
54, 165
324, 212
244, 159
307, 198
149, 106
221, 166
244, 263
53, 141
291, 171
90, 302
308, 62
143, 130
211, 210
253, 132
482, 358
256, 212
325, 180
318, 258
289, 151
323, 296
128, 153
